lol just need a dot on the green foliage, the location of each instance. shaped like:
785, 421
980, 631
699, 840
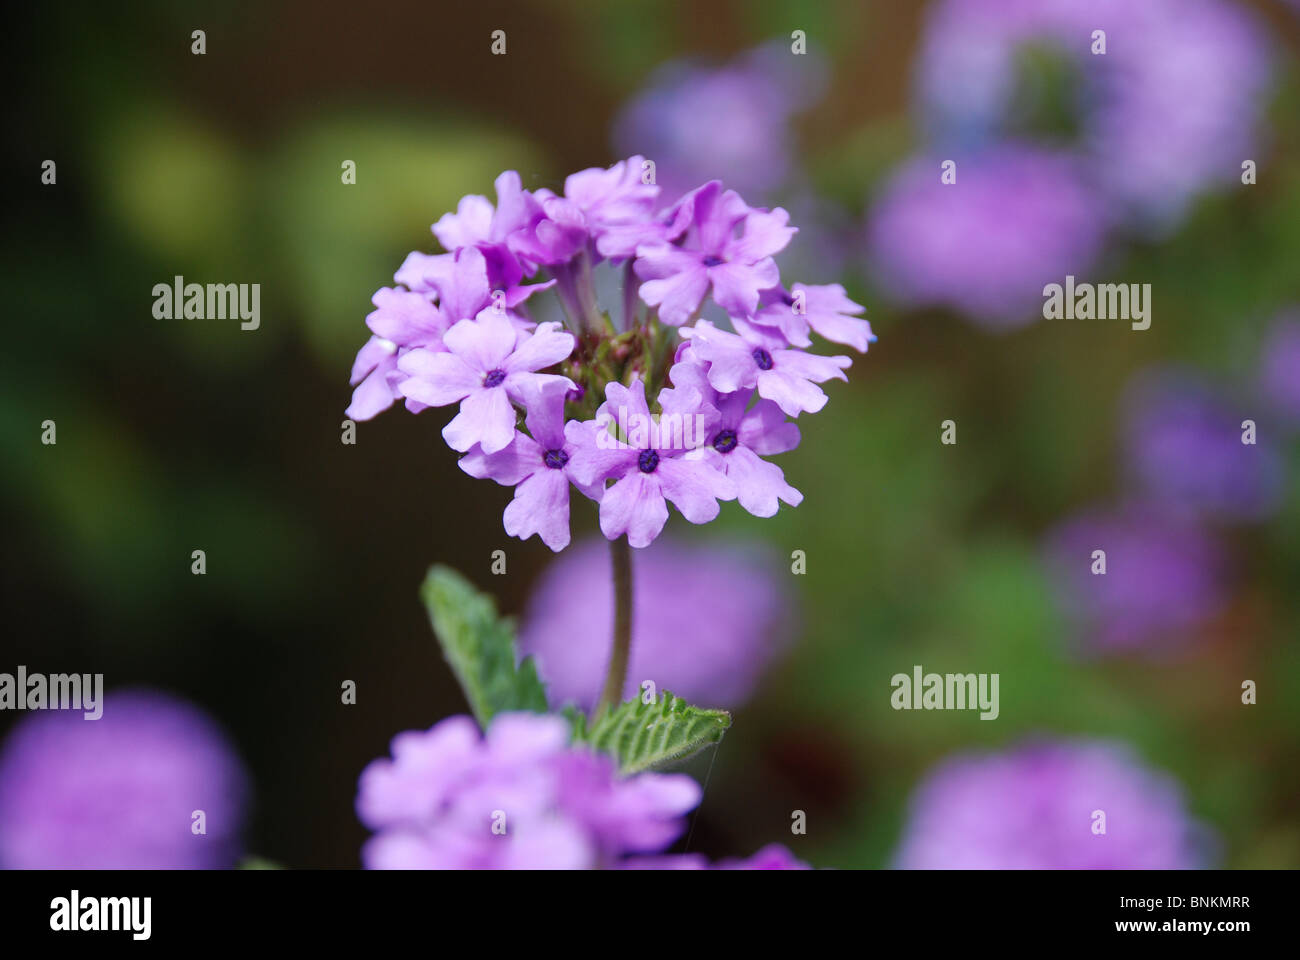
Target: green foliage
480, 646
644, 735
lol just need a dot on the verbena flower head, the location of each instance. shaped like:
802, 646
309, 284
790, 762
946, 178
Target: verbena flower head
517, 798
1034, 808
634, 405
1163, 579
120, 792
707, 621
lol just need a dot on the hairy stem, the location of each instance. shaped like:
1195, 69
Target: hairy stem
616, 673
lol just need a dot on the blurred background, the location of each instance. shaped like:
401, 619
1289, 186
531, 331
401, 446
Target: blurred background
176, 435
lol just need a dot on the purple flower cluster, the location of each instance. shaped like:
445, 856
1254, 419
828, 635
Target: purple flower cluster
691, 410
120, 792
519, 798
1051, 806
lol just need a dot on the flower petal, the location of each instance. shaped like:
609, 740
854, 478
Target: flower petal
486, 418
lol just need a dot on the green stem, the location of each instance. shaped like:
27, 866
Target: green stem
616, 674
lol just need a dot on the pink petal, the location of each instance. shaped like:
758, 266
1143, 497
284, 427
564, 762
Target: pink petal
484, 343
541, 506
436, 378
546, 347
486, 418
635, 506
694, 487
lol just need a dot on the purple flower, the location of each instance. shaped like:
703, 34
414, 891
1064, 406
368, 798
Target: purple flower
1035, 807
1162, 579
1280, 367
772, 857
655, 466
519, 798
120, 792
376, 378
458, 332
1184, 447
401, 320
741, 110
1017, 219
1172, 107
539, 466
706, 621
740, 438
465, 282
712, 256
554, 235
476, 223
617, 208
758, 357
486, 365
826, 309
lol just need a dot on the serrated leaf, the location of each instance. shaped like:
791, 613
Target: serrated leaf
479, 644
644, 735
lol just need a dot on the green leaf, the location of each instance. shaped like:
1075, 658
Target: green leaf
643, 735
480, 646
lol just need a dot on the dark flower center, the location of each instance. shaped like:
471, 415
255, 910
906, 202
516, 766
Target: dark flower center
762, 358
555, 459
494, 378
789, 300
725, 441
712, 261
648, 462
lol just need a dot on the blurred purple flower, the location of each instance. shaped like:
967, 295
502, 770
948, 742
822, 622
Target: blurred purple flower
120, 792
1016, 219
1280, 366
1162, 579
519, 798
1172, 107
1184, 448
706, 622
772, 857
740, 111
1034, 808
